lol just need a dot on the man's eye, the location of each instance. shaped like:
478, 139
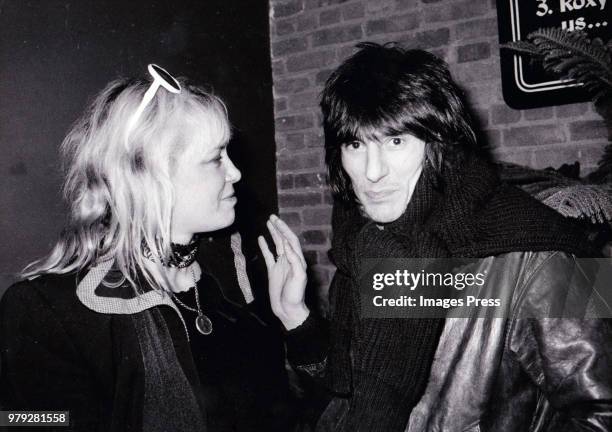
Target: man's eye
396, 141
353, 145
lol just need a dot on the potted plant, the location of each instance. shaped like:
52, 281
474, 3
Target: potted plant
573, 55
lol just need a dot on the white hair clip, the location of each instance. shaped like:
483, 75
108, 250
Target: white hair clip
161, 78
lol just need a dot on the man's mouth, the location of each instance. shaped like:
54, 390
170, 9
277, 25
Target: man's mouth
379, 195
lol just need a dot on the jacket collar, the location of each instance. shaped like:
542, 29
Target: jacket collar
95, 293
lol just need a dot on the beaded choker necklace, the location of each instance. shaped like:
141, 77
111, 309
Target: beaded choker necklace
181, 256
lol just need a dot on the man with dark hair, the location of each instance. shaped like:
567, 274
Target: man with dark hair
409, 182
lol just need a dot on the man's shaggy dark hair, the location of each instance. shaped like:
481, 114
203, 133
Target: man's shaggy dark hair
386, 90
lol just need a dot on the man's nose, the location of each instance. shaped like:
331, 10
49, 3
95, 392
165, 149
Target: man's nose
376, 163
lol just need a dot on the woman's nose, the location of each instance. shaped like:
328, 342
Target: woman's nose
233, 174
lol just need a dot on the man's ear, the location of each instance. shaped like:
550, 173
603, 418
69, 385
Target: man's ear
433, 156
434, 160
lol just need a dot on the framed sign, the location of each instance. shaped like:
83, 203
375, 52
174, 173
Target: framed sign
525, 84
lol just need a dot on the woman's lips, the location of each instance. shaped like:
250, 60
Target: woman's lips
230, 198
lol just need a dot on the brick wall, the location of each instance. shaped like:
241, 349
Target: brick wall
310, 38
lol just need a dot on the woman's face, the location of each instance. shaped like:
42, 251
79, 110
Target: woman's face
203, 183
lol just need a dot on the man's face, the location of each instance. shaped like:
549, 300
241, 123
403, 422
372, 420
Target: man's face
384, 171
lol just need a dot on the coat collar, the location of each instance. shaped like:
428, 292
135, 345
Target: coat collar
96, 294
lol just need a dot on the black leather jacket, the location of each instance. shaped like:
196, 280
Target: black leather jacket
519, 374
522, 374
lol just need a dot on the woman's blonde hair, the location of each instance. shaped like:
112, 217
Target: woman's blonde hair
118, 185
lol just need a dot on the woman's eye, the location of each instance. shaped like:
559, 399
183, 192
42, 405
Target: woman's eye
216, 160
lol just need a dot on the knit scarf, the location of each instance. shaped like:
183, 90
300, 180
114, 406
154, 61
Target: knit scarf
464, 212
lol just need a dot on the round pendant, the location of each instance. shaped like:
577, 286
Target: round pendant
203, 324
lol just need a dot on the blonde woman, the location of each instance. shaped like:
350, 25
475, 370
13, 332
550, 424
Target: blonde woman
104, 325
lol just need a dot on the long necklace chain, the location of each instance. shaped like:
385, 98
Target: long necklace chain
202, 322
183, 256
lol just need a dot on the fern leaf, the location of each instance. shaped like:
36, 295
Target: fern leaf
575, 42
574, 55
571, 55
523, 47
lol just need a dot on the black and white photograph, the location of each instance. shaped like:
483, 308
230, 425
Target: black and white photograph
306, 215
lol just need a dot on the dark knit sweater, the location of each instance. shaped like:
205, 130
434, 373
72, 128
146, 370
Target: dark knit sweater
57, 354
382, 365
133, 372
